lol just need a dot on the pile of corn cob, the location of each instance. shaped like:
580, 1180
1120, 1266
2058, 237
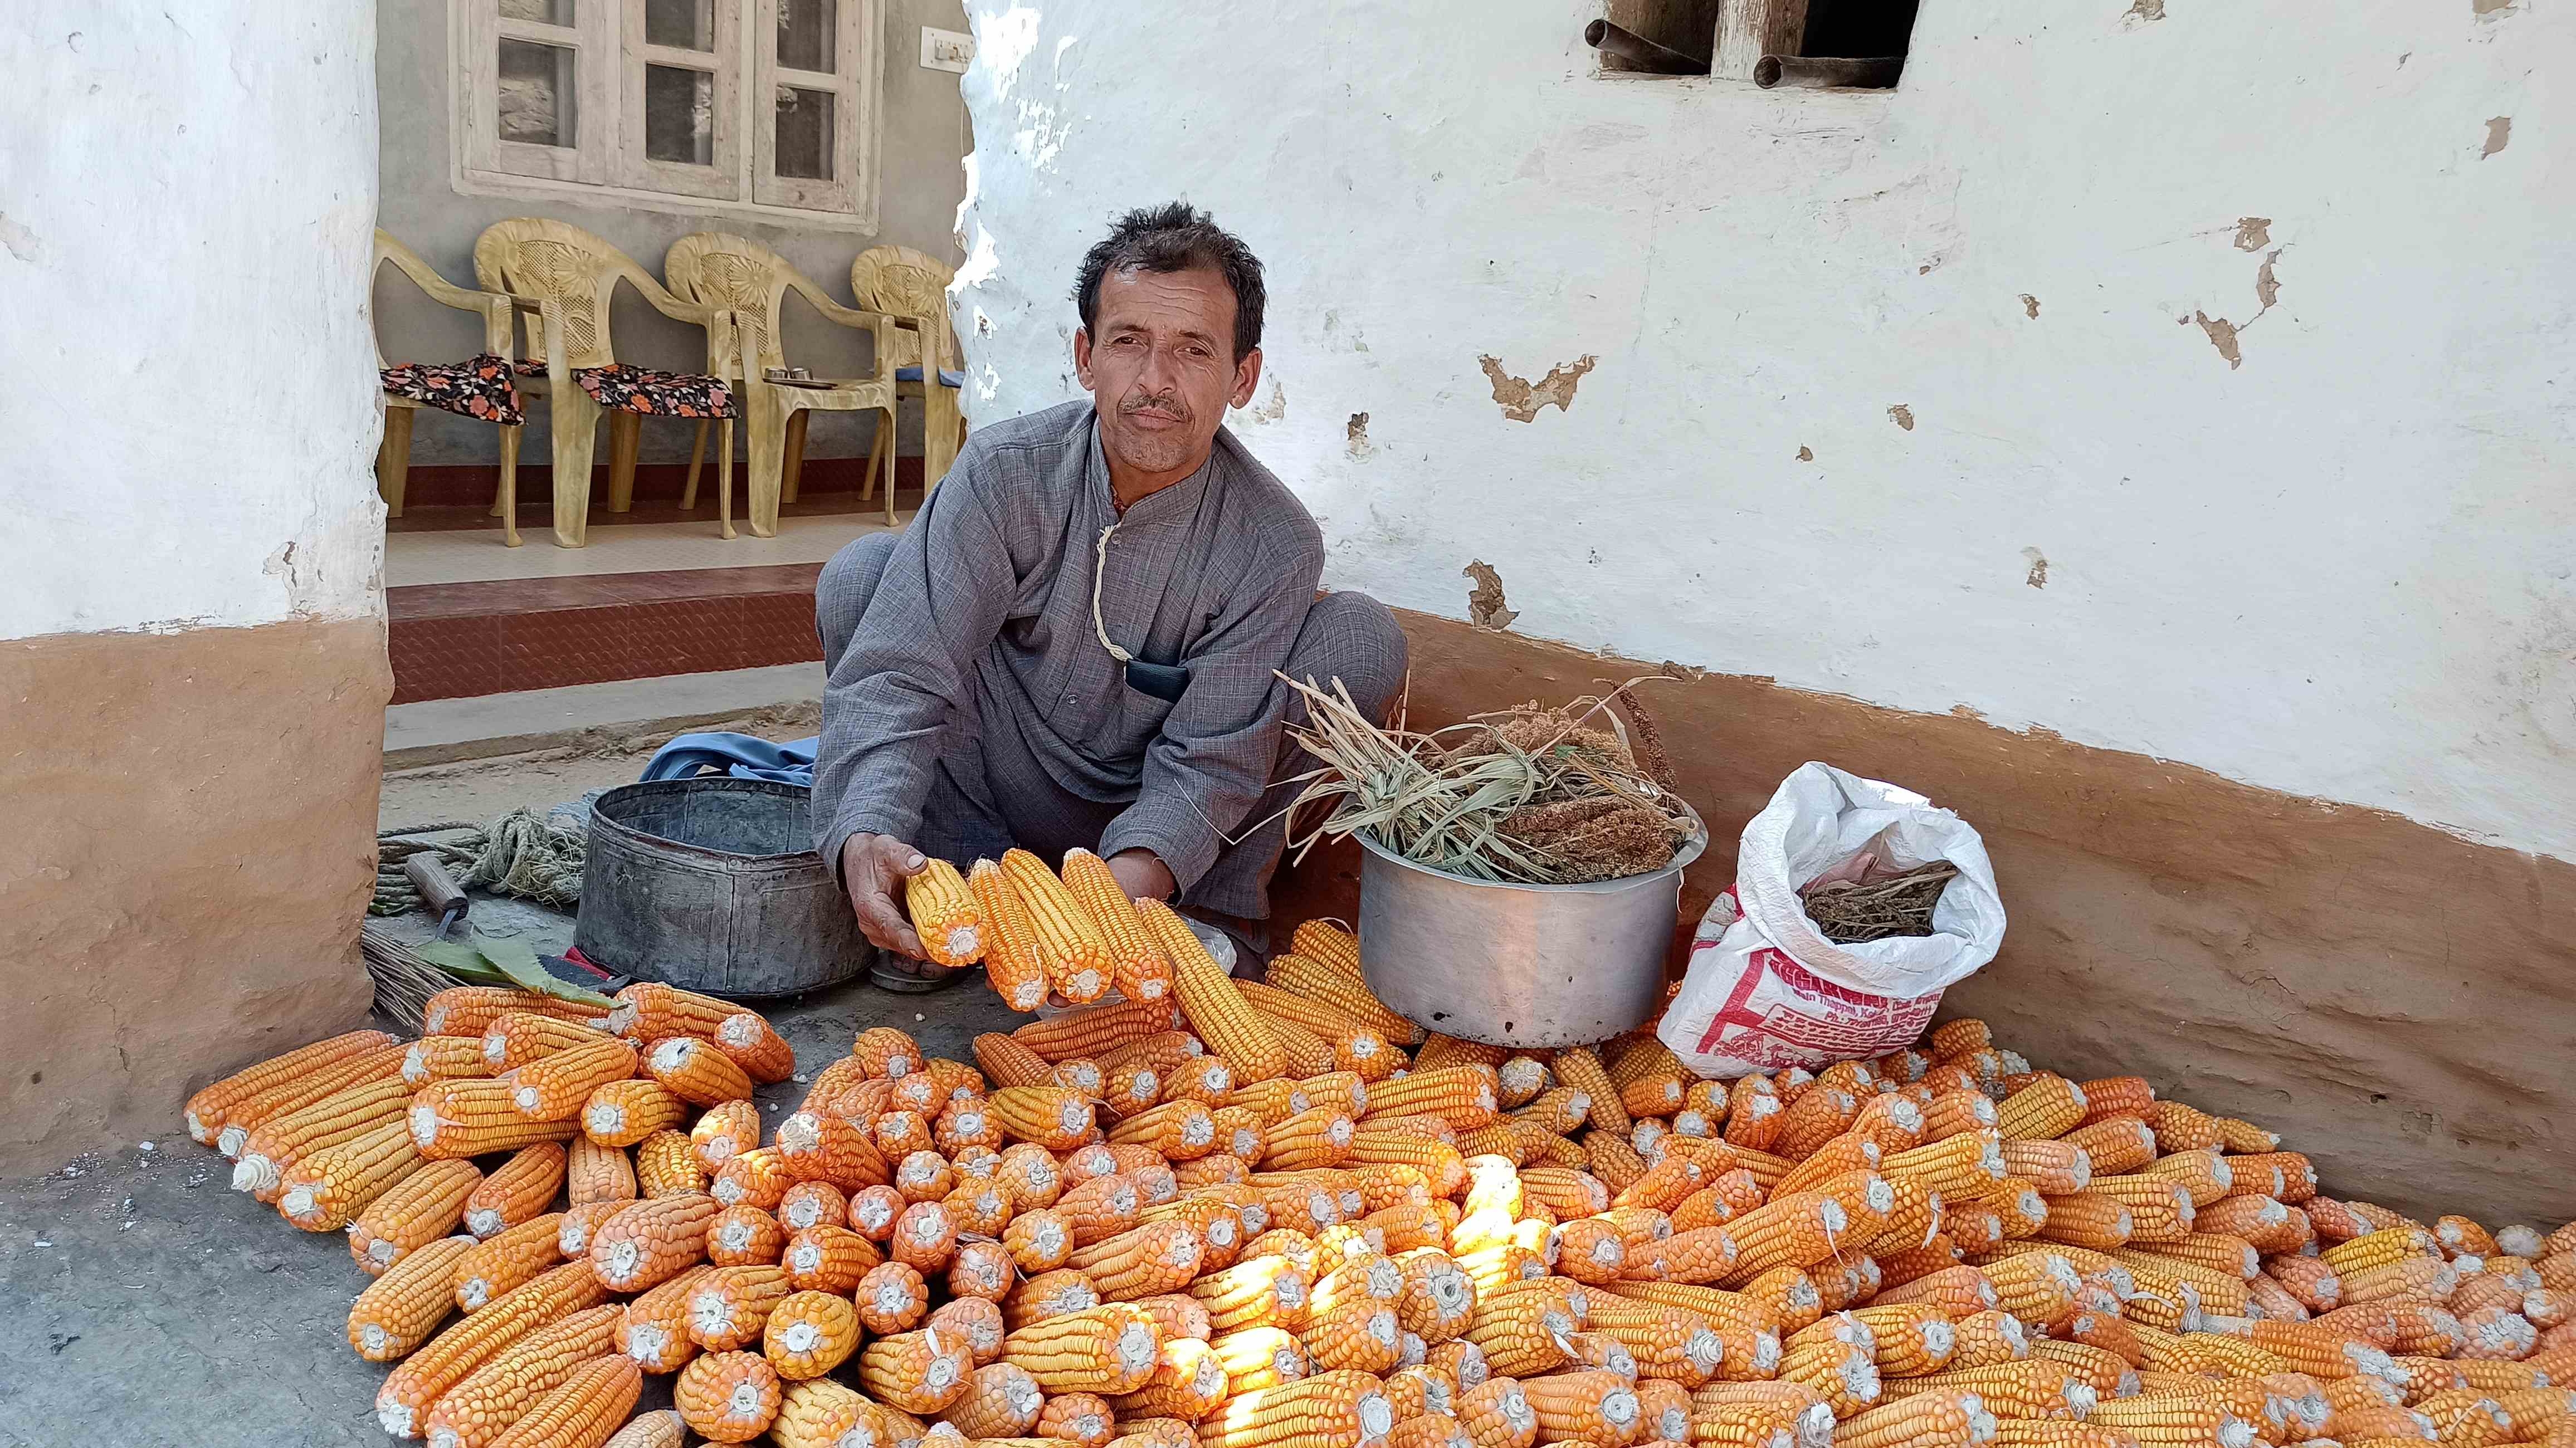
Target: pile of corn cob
1226, 1215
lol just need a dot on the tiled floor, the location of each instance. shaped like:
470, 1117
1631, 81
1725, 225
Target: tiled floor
477, 556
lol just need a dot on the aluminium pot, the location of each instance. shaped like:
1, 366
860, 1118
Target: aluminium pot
711, 884
1519, 965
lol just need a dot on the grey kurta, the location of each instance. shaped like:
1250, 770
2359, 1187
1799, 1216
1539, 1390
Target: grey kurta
979, 633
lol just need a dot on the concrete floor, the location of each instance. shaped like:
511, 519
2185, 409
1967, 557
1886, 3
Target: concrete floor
143, 1302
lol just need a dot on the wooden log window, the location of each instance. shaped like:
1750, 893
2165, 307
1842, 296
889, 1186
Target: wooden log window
1810, 44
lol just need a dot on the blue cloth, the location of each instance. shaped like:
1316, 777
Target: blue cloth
946, 377
743, 756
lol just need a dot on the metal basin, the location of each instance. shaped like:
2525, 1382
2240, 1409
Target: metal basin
1519, 965
712, 884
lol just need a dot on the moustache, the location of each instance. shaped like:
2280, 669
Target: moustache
1161, 402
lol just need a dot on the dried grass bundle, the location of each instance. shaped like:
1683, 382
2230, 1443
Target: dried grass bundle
1527, 796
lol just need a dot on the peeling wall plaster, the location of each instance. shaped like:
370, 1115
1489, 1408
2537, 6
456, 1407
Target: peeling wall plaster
191, 413
2325, 551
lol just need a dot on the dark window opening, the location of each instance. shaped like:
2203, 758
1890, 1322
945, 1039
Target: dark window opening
1804, 44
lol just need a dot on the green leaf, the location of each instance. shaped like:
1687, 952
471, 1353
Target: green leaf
460, 959
517, 959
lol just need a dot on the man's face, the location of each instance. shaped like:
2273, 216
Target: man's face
1159, 361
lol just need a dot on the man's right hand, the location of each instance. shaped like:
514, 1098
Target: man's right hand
873, 867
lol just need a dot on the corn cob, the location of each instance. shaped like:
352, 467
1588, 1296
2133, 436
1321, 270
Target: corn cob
1667, 1343
623, 1113
595, 1173
278, 1143
652, 1241
1138, 968
1951, 1419
745, 1237
730, 1397
467, 1010
886, 1054
649, 1011
573, 1228
292, 1095
730, 1305
1008, 1062
944, 914
427, 1374
501, 1262
503, 1392
208, 1111
666, 1166
1303, 1052
519, 1038
327, 1189
399, 1310
828, 1259
1047, 1115
417, 1211
1014, 963
1209, 1000
1328, 1408
1077, 956
583, 1411
1990, 1337
474, 1116
697, 1072
925, 1237
917, 1372
2105, 1371
432, 1057
520, 1189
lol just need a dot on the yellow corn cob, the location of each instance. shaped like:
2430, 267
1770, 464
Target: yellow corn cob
399, 1310
745, 1237
2106, 1372
1050, 1116
1329, 1408
467, 1010
730, 1305
731, 1397
1014, 963
595, 1173
649, 1011
917, 1372
506, 1259
521, 1188
1257, 1291
2172, 1420
1156, 1258
1000, 1401
1667, 1342
1317, 1137
1076, 955
666, 1166
2087, 1221
821, 1413
654, 1327
1328, 942
1522, 1326
581, 1412
1462, 1096
1952, 1419
696, 1071
1258, 1357
1593, 1406
1138, 968
1008, 1062
208, 1111
292, 1095
474, 1116
652, 1241
2031, 1388
519, 1038
503, 1392
1178, 1130
415, 1212
2049, 1107
1301, 975
326, 1190
944, 914
433, 1057
425, 1376
623, 1113
281, 1141
1208, 998
557, 1086
1304, 1052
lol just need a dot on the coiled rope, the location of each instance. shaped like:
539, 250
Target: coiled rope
533, 856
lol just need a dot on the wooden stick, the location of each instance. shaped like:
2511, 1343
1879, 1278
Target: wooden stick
1816, 72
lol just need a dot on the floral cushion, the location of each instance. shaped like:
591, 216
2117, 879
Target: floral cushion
619, 386
478, 387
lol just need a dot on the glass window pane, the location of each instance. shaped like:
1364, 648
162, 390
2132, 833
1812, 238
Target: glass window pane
688, 24
536, 100
679, 115
805, 133
807, 30
544, 12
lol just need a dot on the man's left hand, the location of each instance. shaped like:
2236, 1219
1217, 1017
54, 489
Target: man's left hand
1143, 875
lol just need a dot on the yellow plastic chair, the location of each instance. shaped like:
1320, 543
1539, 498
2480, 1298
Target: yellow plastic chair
913, 289
719, 270
479, 387
561, 278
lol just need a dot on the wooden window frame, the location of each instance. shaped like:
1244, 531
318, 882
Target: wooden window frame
607, 164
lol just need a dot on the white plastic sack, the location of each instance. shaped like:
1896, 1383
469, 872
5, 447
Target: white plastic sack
1766, 991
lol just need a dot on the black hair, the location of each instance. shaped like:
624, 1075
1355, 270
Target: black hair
1176, 238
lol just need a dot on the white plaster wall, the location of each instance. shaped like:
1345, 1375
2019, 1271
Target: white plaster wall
2341, 568
188, 410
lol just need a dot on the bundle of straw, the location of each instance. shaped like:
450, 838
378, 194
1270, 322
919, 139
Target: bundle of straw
1540, 799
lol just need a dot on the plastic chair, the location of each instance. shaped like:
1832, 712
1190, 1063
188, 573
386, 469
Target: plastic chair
717, 269
478, 387
913, 289
562, 277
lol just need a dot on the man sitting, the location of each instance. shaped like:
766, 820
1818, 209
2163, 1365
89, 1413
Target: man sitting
1076, 642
